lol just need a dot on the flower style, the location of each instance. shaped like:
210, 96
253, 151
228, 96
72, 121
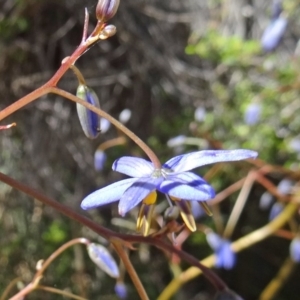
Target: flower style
172, 179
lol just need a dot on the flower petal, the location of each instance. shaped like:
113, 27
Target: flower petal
197, 159
137, 192
108, 194
133, 166
226, 258
187, 186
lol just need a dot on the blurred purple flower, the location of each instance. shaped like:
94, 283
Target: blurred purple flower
265, 200
273, 34
252, 113
125, 115
225, 257
276, 9
285, 186
295, 249
197, 210
105, 125
200, 114
173, 179
176, 141
103, 259
121, 290
99, 160
275, 210
295, 144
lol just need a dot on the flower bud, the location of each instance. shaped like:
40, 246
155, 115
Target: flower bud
252, 113
107, 32
106, 9
295, 249
103, 259
121, 290
275, 211
225, 257
125, 115
285, 186
90, 121
99, 160
265, 200
171, 213
273, 34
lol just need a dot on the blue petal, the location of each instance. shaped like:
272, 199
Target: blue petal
108, 194
136, 193
133, 166
226, 258
275, 211
273, 34
99, 160
214, 240
193, 160
121, 290
103, 259
295, 249
187, 186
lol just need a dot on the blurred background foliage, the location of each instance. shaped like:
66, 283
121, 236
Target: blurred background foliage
169, 62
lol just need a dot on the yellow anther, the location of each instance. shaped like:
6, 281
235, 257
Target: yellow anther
151, 198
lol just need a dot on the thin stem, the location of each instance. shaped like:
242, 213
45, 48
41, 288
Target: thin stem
78, 74
28, 289
57, 252
121, 140
23, 101
59, 292
82, 48
108, 234
130, 270
3, 127
152, 156
39, 274
237, 246
278, 281
239, 205
9, 288
85, 26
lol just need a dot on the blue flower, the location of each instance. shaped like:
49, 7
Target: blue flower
252, 113
225, 257
273, 34
99, 160
275, 211
295, 249
121, 290
172, 179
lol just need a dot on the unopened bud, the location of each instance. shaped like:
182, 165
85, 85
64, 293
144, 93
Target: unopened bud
171, 213
107, 32
90, 121
106, 9
103, 259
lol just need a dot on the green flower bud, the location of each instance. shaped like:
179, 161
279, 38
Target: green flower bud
106, 9
90, 121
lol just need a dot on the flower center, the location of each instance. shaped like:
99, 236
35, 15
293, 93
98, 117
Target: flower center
161, 173
165, 172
